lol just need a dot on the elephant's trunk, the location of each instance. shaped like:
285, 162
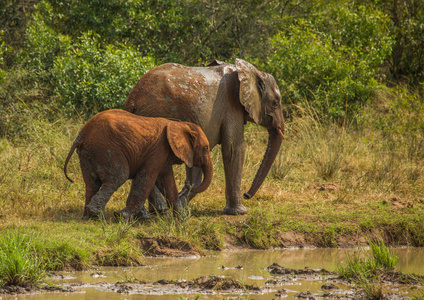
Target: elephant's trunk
207, 170
274, 143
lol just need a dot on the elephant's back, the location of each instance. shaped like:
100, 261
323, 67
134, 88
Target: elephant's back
117, 134
172, 91
116, 124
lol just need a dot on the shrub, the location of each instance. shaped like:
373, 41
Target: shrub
308, 66
3, 49
86, 75
92, 77
331, 65
42, 47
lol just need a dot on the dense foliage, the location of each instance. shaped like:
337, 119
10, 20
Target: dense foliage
84, 56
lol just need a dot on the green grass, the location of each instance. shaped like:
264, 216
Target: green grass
331, 185
378, 260
19, 263
365, 268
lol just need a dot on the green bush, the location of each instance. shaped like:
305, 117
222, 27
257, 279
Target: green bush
85, 76
3, 49
359, 30
92, 77
308, 65
43, 46
332, 66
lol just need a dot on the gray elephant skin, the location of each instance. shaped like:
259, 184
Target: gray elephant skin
220, 98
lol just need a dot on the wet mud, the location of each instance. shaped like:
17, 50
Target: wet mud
333, 288
230, 275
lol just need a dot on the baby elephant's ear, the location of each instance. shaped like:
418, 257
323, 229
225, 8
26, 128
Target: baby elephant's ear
181, 142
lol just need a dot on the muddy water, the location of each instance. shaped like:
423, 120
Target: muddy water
246, 266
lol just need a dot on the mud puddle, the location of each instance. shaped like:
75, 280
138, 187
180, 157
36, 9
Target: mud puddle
228, 275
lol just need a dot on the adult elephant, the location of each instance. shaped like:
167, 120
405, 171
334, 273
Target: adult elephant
220, 98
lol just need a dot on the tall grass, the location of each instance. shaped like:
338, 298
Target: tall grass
379, 259
258, 229
366, 271
283, 164
19, 263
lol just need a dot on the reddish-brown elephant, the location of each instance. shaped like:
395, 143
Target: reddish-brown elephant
116, 145
220, 98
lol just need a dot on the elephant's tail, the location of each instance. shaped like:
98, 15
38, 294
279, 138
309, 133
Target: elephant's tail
75, 145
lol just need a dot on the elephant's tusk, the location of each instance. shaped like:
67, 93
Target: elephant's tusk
280, 133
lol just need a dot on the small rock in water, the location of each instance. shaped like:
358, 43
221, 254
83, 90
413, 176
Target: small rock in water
329, 286
305, 295
281, 293
96, 274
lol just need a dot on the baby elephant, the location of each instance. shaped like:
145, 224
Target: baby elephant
116, 145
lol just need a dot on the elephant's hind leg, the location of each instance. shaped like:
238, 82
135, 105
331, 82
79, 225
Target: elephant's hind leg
92, 183
96, 207
92, 186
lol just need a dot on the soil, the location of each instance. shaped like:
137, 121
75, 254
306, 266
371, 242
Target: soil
168, 246
34, 289
174, 247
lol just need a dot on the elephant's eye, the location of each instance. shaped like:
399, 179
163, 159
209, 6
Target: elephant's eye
275, 103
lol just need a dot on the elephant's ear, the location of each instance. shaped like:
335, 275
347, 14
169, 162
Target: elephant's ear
180, 139
251, 84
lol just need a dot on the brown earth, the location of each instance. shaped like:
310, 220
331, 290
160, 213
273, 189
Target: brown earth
168, 246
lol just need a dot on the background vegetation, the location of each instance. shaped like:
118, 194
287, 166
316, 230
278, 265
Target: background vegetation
351, 75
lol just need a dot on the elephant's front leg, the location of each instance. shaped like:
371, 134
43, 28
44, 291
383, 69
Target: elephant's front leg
141, 186
167, 181
233, 150
136, 195
156, 201
194, 178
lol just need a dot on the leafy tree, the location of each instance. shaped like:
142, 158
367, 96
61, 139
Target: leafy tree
332, 66
406, 26
3, 50
85, 74
170, 30
91, 78
14, 16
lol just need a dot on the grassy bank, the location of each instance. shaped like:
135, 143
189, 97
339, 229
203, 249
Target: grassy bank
333, 185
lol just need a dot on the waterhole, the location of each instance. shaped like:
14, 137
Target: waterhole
169, 278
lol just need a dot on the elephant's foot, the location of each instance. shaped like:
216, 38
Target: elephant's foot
240, 209
157, 203
185, 195
125, 214
92, 213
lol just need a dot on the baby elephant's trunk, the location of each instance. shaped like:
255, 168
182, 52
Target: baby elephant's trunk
207, 170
